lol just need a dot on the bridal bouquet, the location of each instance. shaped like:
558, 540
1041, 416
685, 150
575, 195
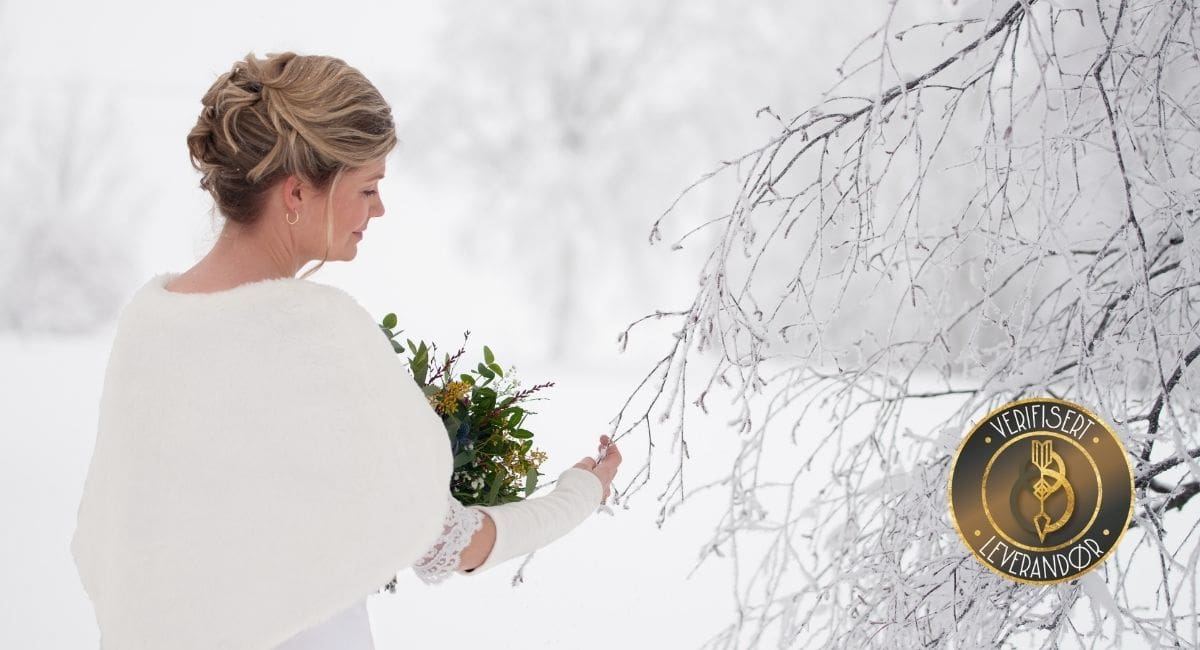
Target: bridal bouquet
482, 409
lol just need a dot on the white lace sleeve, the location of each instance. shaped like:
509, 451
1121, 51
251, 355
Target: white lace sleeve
442, 558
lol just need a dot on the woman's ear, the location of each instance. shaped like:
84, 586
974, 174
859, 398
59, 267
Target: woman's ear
295, 192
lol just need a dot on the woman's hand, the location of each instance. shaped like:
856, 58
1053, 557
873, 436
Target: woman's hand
606, 469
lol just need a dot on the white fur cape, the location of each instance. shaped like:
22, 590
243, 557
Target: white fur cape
263, 460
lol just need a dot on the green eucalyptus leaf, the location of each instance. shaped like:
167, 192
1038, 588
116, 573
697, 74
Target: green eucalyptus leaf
389, 321
397, 348
530, 481
514, 420
464, 457
522, 434
488, 357
494, 488
495, 367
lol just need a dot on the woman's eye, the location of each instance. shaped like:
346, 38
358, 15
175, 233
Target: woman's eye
370, 192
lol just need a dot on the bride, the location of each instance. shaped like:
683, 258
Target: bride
263, 462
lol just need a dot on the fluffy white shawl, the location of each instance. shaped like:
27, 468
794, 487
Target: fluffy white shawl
263, 460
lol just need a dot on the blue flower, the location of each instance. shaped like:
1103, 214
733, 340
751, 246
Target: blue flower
464, 429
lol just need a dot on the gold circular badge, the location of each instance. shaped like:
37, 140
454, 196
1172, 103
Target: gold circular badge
1041, 490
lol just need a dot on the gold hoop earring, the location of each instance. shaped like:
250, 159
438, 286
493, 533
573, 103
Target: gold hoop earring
288, 216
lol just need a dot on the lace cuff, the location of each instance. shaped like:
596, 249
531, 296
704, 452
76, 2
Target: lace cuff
443, 557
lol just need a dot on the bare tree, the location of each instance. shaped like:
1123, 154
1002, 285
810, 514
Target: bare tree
992, 204
71, 209
552, 119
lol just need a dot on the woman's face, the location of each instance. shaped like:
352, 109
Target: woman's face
355, 201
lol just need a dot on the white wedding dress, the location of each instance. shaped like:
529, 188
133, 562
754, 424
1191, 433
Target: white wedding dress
350, 629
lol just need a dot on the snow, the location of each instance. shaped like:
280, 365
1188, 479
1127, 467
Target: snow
614, 580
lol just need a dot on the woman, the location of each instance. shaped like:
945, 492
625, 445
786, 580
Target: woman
263, 462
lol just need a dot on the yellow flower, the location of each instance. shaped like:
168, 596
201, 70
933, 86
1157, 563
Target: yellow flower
536, 456
448, 400
458, 389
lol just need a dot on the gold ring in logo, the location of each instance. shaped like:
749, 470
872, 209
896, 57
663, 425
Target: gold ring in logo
1041, 490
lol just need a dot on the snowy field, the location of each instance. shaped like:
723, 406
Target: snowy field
614, 580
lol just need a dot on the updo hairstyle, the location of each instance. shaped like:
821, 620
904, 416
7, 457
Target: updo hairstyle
311, 116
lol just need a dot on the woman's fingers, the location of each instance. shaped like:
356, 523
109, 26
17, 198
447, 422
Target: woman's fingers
606, 467
612, 455
587, 463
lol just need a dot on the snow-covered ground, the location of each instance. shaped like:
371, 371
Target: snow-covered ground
613, 582
616, 581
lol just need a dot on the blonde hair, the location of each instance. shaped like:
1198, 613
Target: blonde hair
308, 116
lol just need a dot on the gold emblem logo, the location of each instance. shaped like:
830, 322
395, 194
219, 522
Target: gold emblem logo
1051, 465
1041, 491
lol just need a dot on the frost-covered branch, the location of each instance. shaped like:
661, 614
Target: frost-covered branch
985, 207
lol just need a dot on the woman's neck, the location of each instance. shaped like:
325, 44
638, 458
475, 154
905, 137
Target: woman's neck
240, 255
